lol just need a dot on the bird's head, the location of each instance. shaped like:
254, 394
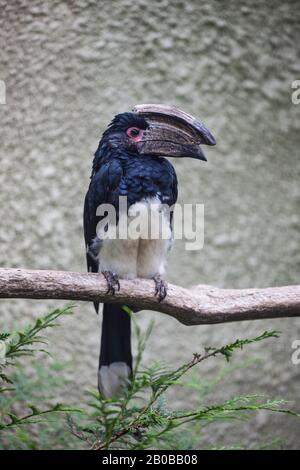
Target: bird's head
159, 130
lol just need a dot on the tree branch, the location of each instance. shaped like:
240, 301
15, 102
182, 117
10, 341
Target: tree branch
199, 305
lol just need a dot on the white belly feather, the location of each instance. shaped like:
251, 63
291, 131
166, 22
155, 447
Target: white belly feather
143, 256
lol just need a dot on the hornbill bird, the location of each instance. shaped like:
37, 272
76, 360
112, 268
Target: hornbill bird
130, 162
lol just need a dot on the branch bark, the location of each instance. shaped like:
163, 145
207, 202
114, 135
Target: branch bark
198, 305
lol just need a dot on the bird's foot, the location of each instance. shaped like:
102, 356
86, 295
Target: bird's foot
161, 287
112, 280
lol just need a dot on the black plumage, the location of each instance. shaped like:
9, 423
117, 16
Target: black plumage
130, 162
119, 170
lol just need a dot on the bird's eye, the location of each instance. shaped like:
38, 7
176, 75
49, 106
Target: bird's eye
133, 131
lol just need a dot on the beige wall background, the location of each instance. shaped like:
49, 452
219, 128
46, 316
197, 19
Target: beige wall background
69, 66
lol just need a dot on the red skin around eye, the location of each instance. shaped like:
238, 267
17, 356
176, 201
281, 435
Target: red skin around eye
135, 138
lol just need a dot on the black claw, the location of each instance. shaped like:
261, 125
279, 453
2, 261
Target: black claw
161, 287
112, 280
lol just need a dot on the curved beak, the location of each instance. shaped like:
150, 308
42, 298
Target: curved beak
172, 132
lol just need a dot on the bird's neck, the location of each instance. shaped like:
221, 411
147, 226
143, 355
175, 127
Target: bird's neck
107, 151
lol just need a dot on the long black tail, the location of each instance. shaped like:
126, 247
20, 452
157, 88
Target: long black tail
115, 364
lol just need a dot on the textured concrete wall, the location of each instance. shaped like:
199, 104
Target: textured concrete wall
69, 66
